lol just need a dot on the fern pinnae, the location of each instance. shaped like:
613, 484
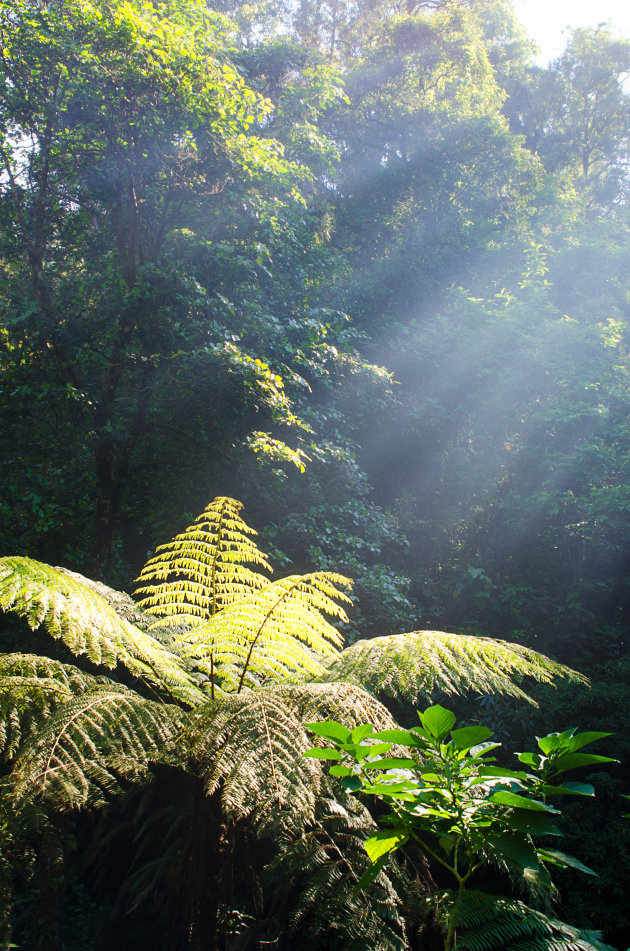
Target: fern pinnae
83, 750
31, 689
78, 615
249, 746
487, 922
204, 568
422, 663
278, 632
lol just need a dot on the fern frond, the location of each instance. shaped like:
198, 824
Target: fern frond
347, 703
491, 923
88, 625
122, 603
204, 568
317, 869
277, 632
31, 688
91, 743
421, 663
249, 745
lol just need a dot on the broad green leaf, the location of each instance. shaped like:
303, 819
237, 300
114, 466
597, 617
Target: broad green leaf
563, 860
401, 737
505, 798
384, 842
480, 750
538, 876
530, 759
340, 770
569, 788
500, 772
316, 753
533, 823
437, 721
575, 760
469, 736
360, 732
376, 749
330, 730
372, 872
582, 739
389, 789
516, 849
391, 762
555, 741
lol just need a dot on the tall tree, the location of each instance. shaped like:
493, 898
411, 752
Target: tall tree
144, 204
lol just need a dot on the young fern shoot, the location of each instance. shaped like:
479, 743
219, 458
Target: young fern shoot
204, 568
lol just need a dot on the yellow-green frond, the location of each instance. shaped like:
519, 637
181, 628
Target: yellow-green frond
204, 568
421, 663
249, 746
278, 632
76, 614
91, 743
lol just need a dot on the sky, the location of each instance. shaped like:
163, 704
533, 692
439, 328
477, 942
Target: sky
546, 19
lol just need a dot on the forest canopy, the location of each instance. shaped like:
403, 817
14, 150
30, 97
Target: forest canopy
365, 267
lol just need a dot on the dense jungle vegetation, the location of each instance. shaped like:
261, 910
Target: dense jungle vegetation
365, 267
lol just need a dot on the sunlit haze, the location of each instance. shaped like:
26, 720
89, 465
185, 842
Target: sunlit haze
545, 20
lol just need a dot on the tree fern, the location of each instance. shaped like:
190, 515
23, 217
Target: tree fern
279, 631
273, 658
489, 923
422, 663
83, 751
249, 745
204, 568
76, 614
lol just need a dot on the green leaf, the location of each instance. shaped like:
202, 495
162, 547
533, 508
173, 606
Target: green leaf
360, 732
437, 721
533, 823
402, 737
500, 773
555, 741
564, 860
538, 876
322, 754
569, 788
372, 872
481, 749
339, 770
391, 762
505, 798
516, 849
384, 842
575, 760
582, 739
469, 736
389, 789
330, 730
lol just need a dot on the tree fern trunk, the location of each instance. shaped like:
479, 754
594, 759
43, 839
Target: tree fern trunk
48, 886
204, 877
